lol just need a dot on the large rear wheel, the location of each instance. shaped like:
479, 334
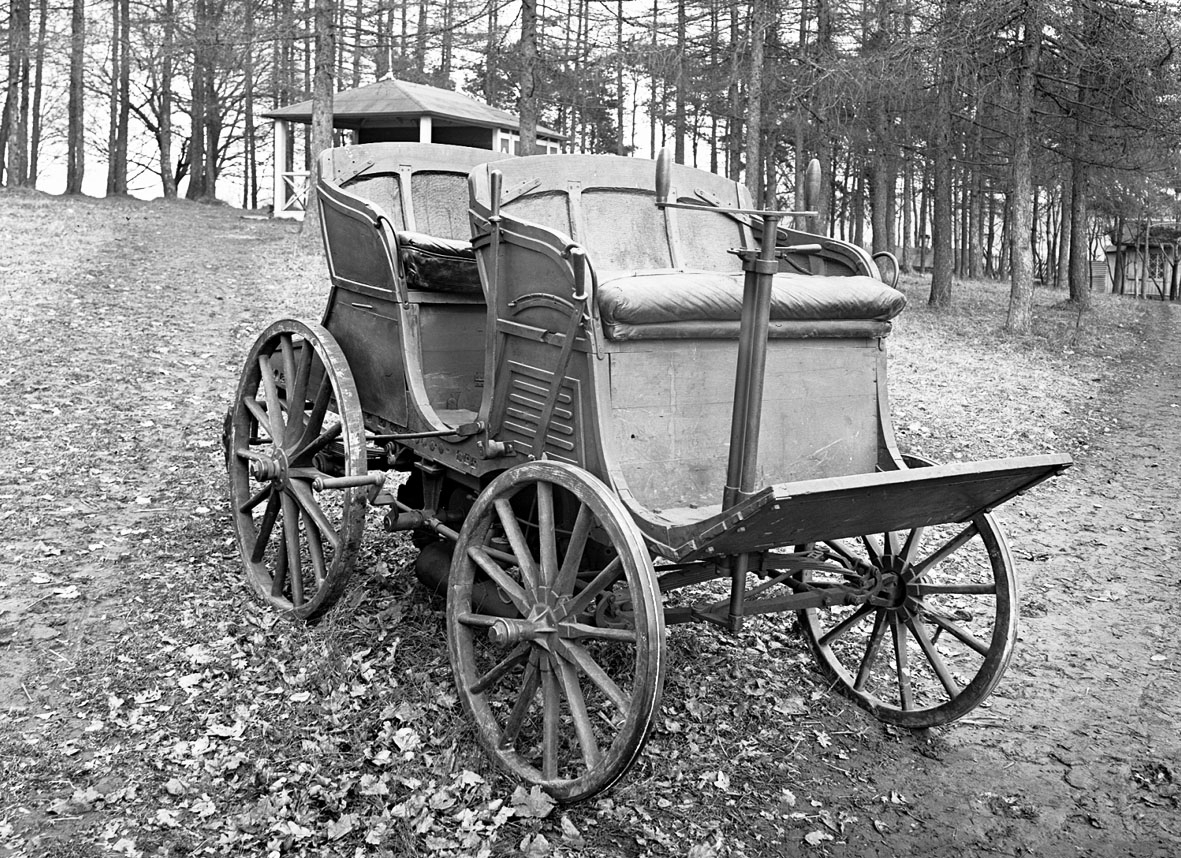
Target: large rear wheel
565, 693
294, 428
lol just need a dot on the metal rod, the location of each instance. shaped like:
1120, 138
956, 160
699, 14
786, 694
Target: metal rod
746, 417
729, 210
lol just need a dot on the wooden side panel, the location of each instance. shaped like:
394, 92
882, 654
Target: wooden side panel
672, 401
453, 354
368, 329
524, 388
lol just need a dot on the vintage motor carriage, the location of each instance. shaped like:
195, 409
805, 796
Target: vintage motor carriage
608, 389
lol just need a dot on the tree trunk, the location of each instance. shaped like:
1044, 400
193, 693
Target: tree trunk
38, 68
904, 260
322, 90
620, 149
164, 123
754, 98
1080, 251
198, 107
527, 108
249, 143
682, 76
942, 226
491, 48
16, 106
1020, 318
76, 109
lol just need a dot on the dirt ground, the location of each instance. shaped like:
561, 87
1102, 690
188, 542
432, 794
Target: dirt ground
122, 325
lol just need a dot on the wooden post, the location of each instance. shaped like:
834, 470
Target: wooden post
282, 142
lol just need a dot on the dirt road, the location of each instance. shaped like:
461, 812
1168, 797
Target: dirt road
121, 330
1079, 752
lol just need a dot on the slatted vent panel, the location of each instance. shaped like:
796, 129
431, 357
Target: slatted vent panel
528, 389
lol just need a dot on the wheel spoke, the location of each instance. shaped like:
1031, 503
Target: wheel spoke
934, 658
294, 406
307, 500
298, 392
315, 548
844, 625
950, 547
258, 413
265, 527
516, 538
576, 703
275, 422
871, 650
602, 633
902, 662
872, 549
529, 685
519, 654
572, 562
890, 543
585, 662
255, 499
280, 579
965, 637
912, 544
291, 532
501, 578
315, 417
548, 537
611, 573
551, 712
319, 443
957, 589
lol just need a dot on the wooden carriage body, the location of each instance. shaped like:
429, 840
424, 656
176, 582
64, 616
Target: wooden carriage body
562, 352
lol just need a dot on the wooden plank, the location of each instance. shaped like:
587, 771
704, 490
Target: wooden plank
839, 507
671, 409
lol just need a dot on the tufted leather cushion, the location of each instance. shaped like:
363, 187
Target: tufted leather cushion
438, 264
656, 297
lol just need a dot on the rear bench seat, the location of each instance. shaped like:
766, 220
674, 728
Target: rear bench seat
435, 264
676, 304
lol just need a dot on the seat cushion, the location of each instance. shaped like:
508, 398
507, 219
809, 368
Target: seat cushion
438, 264
655, 297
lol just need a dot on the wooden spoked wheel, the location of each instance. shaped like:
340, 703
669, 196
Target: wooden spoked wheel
936, 638
296, 420
564, 694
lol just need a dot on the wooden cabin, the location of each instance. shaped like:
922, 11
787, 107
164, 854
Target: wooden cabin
1145, 260
392, 111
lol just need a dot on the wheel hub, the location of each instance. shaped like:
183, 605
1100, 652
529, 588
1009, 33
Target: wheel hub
896, 592
272, 467
507, 632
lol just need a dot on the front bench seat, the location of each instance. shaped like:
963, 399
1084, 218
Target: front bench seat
684, 303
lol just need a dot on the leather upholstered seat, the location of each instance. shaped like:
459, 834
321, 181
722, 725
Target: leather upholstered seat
438, 264
655, 304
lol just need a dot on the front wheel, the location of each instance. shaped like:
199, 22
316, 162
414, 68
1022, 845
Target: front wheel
565, 693
936, 637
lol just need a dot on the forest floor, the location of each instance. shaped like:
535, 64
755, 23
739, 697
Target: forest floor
148, 706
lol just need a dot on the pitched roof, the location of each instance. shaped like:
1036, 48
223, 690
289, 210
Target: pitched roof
392, 99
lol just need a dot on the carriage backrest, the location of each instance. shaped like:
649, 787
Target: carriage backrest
420, 187
370, 193
607, 204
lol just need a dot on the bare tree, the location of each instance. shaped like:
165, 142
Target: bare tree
322, 90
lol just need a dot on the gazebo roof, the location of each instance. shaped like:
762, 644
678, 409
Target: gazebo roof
389, 101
